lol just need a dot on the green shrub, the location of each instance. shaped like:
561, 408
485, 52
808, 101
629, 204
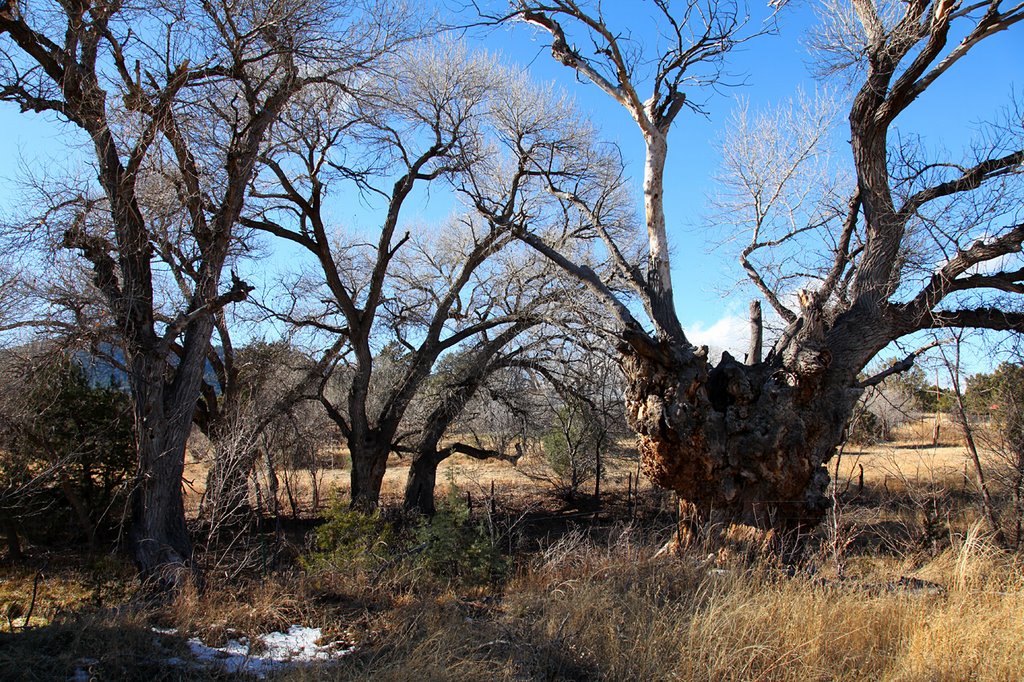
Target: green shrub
62, 440
457, 547
351, 540
867, 429
451, 545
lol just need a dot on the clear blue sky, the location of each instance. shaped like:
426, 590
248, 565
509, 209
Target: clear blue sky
770, 68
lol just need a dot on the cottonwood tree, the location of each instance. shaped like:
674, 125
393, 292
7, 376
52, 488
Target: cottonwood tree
417, 293
750, 440
546, 307
191, 90
458, 384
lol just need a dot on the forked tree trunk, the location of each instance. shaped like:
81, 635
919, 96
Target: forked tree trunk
738, 443
422, 481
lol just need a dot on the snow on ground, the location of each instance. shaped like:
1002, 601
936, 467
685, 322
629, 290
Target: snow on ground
271, 652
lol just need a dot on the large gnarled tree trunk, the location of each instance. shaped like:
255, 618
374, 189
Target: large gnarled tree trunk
748, 443
738, 443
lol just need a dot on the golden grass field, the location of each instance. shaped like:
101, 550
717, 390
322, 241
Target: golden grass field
882, 595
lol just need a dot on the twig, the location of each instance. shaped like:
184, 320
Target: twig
32, 603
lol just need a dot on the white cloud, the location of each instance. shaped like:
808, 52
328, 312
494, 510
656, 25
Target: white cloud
731, 333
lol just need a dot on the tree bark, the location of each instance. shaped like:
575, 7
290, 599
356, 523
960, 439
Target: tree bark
369, 463
422, 481
738, 443
159, 537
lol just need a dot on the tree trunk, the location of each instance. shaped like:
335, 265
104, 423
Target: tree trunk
14, 552
659, 274
159, 537
81, 511
739, 444
756, 333
419, 487
369, 462
422, 481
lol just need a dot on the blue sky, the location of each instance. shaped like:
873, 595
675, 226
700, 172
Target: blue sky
770, 68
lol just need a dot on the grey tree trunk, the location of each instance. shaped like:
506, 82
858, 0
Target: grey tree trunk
158, 534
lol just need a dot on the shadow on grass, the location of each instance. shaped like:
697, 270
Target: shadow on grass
97, 647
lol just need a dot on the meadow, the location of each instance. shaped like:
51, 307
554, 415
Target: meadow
903, 582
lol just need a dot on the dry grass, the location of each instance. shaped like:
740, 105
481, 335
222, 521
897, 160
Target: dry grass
586, 610
916, 592
35, 596
911, 456
611, 612
659, 622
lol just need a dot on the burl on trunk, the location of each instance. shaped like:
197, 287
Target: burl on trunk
739, 443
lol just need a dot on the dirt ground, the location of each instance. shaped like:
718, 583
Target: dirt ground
911, 457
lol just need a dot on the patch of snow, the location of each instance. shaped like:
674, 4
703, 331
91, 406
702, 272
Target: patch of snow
277, 650
164, 631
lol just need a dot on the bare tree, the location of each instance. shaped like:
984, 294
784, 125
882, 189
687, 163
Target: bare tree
274, 408
188, 93
401, 299
998, 395
951, 360
597, 379
459, 387
750, 441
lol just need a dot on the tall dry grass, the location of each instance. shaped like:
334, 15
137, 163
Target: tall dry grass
635, 618
591, 610
612, 612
